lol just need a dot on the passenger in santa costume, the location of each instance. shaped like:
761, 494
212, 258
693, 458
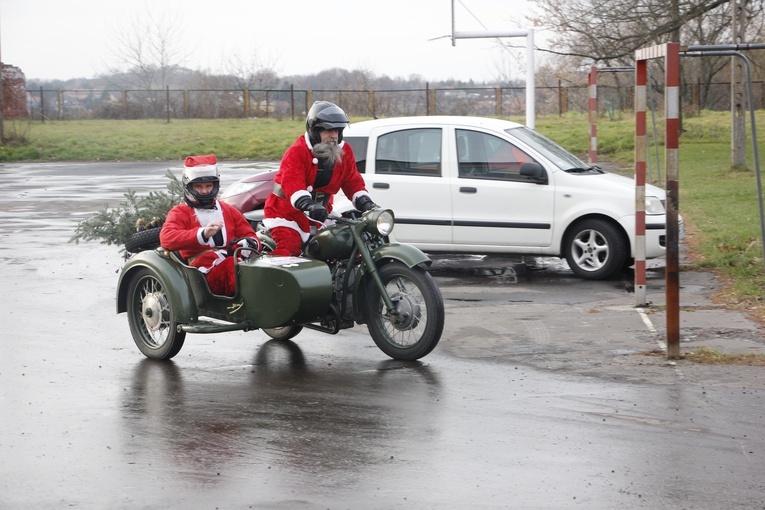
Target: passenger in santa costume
204, 230
312, 170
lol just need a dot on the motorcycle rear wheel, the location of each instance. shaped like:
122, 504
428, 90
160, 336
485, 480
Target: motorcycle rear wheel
416, 328
283, 333
151, 318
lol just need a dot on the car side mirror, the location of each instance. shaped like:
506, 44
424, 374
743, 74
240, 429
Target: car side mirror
534, 171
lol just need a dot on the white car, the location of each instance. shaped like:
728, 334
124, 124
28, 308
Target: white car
482, 186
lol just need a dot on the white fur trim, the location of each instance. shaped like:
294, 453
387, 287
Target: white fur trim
200, 237
281, 222
295, 196
221, 257
194, 172
357, 195
205, 217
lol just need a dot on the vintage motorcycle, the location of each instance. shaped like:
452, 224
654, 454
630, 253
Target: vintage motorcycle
349, 274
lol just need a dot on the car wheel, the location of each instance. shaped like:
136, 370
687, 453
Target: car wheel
595, 249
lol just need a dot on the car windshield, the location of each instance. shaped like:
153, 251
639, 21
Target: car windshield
559, 156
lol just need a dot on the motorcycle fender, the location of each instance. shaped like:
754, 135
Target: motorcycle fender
172, 276
405, 253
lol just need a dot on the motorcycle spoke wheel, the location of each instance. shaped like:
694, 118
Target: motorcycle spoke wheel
413, 328
151, 319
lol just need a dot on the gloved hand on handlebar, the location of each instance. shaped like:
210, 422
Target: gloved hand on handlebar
315, 210
250, 246
364, 203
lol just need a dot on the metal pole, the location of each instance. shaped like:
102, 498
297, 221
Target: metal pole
292, 101
698, 51
529, 35
672, 167
530, 85
592, 109
641, 74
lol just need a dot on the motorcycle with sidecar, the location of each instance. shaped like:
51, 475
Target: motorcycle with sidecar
349, 273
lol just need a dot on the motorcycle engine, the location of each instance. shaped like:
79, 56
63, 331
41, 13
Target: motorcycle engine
338, 289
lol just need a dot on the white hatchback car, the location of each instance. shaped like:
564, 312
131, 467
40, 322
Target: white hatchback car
483, 186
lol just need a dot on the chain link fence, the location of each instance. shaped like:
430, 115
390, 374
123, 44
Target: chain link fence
292, 103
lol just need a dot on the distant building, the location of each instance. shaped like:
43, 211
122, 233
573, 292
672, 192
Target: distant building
14, 93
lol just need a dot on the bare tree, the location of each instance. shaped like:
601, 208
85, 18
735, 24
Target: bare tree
146, 48
610, 32
250, 72
588, 32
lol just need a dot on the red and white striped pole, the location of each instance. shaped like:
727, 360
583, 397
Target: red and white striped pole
592, 107
671, 54
672, 165
641, 79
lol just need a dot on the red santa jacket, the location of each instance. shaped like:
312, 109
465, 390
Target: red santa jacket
297, 173
182, 231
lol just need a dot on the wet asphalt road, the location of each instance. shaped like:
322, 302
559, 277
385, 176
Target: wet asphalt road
538, 395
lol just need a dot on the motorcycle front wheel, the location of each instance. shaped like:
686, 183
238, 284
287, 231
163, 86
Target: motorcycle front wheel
414, 327
151, 318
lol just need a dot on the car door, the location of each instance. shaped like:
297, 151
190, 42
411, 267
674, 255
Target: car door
406, 175
492, 203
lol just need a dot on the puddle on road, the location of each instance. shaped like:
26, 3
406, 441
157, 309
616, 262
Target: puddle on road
500, 270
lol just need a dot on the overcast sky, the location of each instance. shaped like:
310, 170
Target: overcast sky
62, 39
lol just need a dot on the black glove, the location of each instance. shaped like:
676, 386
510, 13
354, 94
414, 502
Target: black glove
250, 246
364, 203
315, 211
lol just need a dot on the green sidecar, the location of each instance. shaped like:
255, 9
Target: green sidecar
165, 298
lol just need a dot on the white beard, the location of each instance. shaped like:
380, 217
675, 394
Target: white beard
331, 151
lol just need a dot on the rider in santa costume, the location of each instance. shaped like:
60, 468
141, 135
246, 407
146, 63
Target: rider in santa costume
317, 165
204, 229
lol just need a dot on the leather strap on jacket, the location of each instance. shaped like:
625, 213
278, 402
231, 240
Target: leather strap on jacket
319, 197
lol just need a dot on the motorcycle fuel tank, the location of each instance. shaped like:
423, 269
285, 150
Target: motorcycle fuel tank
280, 291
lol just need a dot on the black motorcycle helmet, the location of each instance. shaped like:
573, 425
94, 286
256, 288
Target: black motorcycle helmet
325, 115
200, 169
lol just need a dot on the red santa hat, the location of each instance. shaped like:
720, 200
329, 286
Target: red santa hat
204, 168
208, 159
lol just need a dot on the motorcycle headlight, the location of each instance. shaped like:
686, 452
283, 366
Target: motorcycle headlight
654, 205
381, 221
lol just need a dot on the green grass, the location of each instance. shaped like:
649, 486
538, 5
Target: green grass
719, 204
153, 140
709, 356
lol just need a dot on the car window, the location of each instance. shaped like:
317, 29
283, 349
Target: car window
559, 156
485, 156
410, 152
359, 146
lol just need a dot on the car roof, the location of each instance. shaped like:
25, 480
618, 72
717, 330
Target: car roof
364, 127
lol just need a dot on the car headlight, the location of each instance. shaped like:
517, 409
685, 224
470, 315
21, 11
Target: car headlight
653, 205
381, 221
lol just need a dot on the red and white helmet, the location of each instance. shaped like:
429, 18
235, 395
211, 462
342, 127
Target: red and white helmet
200, 169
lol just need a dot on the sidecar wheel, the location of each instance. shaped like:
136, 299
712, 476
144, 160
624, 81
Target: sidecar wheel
416, 328
143, 240
151, 318
283, 333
